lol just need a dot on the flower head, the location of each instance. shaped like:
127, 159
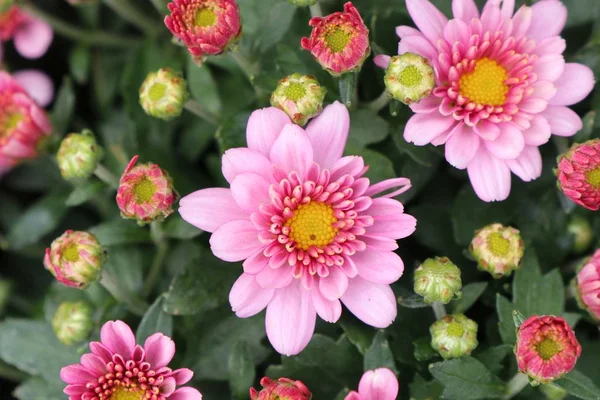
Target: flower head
163, 94
454, 336
75, 259
310, 227
409, 78
300, 97
546, 348
502, 87
73, 321
497, 249
281, 389
145, 192
339, 41
378, 384
579, 174
206, 27
78, 156
587, 283
118, 369
582, 233
438, 280
31, 36
23, 124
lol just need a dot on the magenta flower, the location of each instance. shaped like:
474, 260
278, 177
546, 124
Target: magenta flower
588, 285
117, 368
31, 36
310, 228
281, 389
579, 174
379, 384
502, 87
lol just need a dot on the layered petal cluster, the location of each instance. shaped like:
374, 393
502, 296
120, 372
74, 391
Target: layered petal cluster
588, 285
117, 368
31, 36
23, 124
378, 384
310, 227
579, 174
503, 87
281, 389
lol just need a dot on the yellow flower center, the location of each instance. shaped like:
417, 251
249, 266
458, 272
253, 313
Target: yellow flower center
312, 225
498, 245
123, 393
455, 329
157, 91
144, 190
336, 39
70, 253
485, 84
593, 177
410, 76
548, 348
10, 121
205, 17
295, 91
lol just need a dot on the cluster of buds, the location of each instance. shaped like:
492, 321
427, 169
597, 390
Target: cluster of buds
78, 156
454, 336
378, 384
409, 78
497, 249
163, 94
438, 280
587, 285
300, 97
75, 259
73, 322
281, 389
578, 174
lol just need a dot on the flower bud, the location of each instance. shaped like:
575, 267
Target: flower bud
78, 156
303, 3
579, 174
145, 193
438, 280
300, 97
409, 78
454, 336
497, 249
75, 259
163, 94
546, 348
339, 41
587, 286
72, 322
281, 389
380, 384
582, 233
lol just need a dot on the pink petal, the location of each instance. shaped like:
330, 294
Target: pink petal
33, 38
186, 393
549, 19
242, 160
208, 209
462, 146
328, 134
37, 84
247, 298
274, 278
373, 303
522, 21
249, 191
563, 120
390, 220
574, 85
353, 396
456, 31
94, 364
182, 376
544, 89
383, 267
551, 45
487, 130
118, 338
235, 241
491, 17
404, 30
160, 350
509, 144
382, 60
328, 310
427, 105
508, 9
333, 286
418, 44
428, 18
549, 67
490, 176
264, 127
168, 387
421, 129
380, 384
533, 105
528, 166
291, 319
255, 263
292, 151
539, 132
465, 10
76, 374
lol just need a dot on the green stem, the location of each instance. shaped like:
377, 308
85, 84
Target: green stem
380, 102
516, 385
561, 144
131, 13
106, 176
198, 109
439, 310
82, 36
316, 11
162, 248
245, 65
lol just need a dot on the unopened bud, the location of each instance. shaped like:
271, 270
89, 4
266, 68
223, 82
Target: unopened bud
281, 389
497, 249
582, 233
454, 336
300, 97
409, 78
72, 322
587, 286
438, 280
163, 94
78, 156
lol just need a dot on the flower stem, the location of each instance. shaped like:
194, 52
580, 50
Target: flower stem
198, 109
245, 65
439, 310
380, 102
162, 248
316, 11
106, 176
80, 35
131, 13
516, 385
561, 144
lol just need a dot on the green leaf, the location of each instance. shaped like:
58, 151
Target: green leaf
379, 354
275, 22
366, 127
79, 63
64, 105
155, 320
579, 385
410, 299
470, 294
506, 326
120, 232
380, 167
203, 86
466, 378
241, 370
84, 193
492, 358
232, 132
176, 228
357, 332
38, 175
423, 349
38, 389
122, 276
420, 389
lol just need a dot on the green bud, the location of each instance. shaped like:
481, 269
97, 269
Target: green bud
497, 249
72, 322
303, 3
78, 156
409, 78
300, 97
582, 233
438, 280
163, 94
454, 336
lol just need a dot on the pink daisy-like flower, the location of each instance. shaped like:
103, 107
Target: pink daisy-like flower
206, 27
23, 124
379, 384
588, 285
503, 87
310, 228
546, 348
118, 369
579, 174
31, 36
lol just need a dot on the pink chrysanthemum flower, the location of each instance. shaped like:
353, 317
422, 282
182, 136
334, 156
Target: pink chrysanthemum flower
23, 124
339, 41
587, 283
579, 174
118, 369
502, 87
310, 228
206, 27
379, 384
281, 389
546, 348
31, 36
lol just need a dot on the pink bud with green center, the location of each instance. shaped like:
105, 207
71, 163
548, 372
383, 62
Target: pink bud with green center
145, 193
78, 156
72, 322
579, 174
438, 280
497, 249
339, 41
75, 259
409, 78
163, 94
546, 348
281, 389
587, 285
454, 336
300, 97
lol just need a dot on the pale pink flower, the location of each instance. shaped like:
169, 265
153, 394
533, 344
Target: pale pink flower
587, 283
379, 384
31, 36
310, 228
118, 368
503, 87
